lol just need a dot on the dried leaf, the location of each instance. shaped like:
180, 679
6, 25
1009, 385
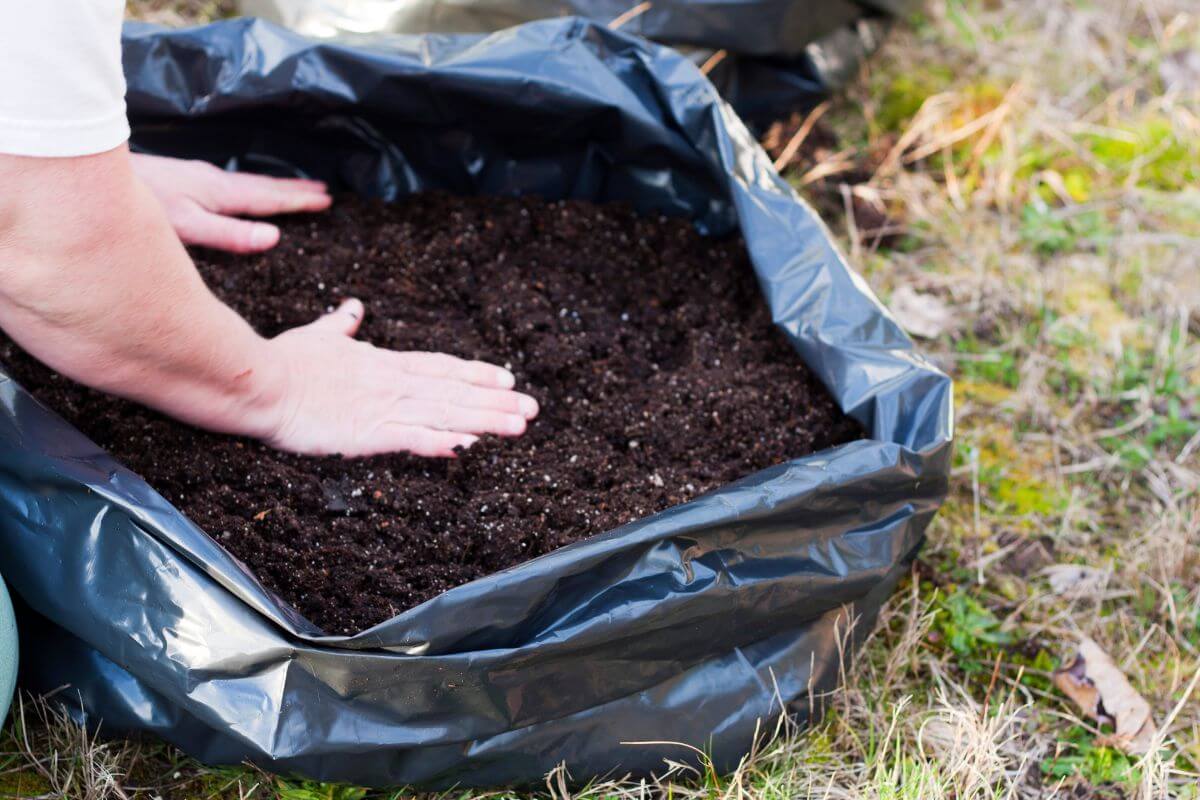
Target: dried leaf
923, 315
1102, 691
1076, 580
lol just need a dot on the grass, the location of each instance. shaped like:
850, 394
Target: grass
1044, 177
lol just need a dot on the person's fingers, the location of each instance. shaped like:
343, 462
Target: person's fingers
452, 392
196, 225
343, 320
441, 365
446, 417
261, 195
427, 442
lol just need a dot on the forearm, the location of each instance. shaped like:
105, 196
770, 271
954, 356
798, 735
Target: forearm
94, 282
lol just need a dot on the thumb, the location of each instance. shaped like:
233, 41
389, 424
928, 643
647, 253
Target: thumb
344, 320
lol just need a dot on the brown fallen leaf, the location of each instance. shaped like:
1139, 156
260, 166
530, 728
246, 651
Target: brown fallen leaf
1076, 580
1102, 691
923, 315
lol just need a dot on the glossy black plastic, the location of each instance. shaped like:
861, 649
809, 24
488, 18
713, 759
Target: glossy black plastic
690, 626
767, 57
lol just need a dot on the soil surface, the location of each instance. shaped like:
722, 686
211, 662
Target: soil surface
648, 346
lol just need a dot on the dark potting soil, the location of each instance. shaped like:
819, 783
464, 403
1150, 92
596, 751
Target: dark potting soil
649, 348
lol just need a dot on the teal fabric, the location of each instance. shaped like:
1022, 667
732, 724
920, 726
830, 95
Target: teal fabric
8, 651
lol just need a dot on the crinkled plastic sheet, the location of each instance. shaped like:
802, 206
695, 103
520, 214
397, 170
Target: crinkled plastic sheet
751, 27
690, 626
767, 57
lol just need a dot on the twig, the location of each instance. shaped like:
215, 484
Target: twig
793, 146
633, 13
713, 60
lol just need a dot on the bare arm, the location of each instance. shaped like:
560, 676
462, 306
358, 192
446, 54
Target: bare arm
94, 282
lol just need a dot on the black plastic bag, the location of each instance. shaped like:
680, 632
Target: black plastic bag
767, 57
689, 626
751, 27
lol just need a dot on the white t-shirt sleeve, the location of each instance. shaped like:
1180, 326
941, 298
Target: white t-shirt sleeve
62, 90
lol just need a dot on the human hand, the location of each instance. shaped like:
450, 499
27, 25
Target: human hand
102, 291
340, 395
201, 201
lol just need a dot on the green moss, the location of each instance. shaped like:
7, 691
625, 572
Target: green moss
1151, 152
1024, 498
1011, 475
1038, 156
23, 783
1051, 231
1130, 279
1036, 671
981, 392
904, 96
987, 364
1078, 182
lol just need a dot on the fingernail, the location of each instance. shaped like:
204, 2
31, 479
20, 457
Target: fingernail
263, 235
528, 406
352, 307
505, 379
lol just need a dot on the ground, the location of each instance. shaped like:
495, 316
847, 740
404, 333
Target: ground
1031, 169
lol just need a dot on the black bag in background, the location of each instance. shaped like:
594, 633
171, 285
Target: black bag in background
689, 626
767, 57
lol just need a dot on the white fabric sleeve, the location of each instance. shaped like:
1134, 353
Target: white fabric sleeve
62, 90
